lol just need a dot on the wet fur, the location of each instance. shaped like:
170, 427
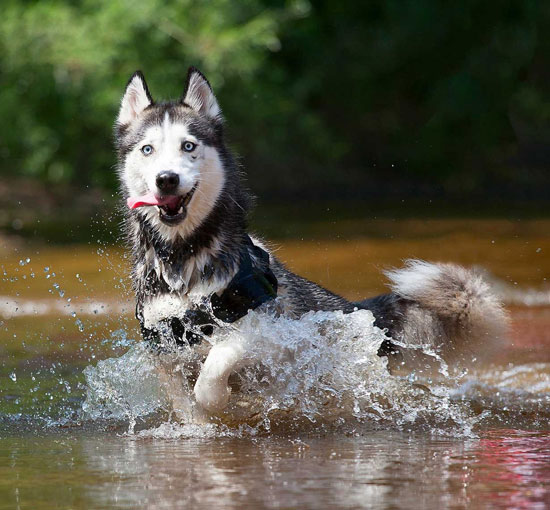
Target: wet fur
440, 305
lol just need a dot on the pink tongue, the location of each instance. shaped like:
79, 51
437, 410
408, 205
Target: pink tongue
151, 199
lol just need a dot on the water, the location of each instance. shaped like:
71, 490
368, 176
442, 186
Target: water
87, 419
507, 469
320, 373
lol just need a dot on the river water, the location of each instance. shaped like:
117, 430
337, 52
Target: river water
85, 420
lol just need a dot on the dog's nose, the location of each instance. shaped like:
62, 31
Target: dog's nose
167, 181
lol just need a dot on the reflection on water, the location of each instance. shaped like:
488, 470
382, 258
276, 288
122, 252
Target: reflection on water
62, 310
504, 469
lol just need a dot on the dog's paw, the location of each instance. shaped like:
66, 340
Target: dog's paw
212, 394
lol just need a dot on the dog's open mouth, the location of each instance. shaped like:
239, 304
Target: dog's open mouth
172, 209
175, 211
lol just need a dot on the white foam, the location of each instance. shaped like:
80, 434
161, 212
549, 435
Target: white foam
319, 371
124, 388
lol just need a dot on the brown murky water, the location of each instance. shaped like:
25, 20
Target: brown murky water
484, 444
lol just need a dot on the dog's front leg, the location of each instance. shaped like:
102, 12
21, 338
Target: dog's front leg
211, 389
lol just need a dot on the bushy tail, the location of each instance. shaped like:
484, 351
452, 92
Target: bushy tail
449, 307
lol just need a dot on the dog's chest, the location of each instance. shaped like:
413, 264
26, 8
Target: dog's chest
227, 296
157, 308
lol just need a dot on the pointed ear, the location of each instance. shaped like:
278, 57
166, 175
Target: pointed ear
135, 100
199, 96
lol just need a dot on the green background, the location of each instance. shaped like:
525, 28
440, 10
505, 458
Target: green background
327, 100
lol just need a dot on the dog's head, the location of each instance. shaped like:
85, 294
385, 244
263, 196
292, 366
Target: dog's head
169, 153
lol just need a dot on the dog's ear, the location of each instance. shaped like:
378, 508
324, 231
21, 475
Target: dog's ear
199, 96
136, 99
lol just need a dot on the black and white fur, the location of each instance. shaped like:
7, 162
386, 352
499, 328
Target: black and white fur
176, 265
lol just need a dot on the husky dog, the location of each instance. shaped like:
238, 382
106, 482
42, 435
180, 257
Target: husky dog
195, 267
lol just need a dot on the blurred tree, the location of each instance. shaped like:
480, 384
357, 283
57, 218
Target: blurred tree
330, 97
65, 64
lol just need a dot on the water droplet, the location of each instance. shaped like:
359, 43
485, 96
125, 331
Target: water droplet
46, 269
13, 377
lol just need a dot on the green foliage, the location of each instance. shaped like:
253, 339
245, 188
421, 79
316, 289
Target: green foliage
65, 64
321, 97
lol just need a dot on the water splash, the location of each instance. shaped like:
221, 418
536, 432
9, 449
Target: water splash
124, 387
320, 372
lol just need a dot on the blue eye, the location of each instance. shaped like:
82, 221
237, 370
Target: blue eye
189, 146
147, 149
